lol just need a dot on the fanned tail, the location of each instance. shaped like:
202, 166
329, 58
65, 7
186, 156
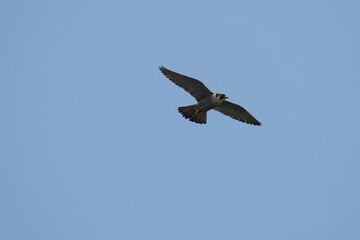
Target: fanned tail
193, 114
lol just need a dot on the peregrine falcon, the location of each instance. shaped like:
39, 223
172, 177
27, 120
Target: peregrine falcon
206, 100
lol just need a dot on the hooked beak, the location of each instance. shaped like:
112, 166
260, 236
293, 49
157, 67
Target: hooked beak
226, 97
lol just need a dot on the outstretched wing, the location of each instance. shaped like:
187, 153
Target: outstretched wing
196, 88
237, 112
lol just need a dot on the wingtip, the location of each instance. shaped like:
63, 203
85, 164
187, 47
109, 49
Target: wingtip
163, 69
256, 124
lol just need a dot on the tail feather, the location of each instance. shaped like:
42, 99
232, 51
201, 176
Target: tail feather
193, 114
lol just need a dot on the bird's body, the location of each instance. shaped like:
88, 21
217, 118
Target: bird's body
206, 101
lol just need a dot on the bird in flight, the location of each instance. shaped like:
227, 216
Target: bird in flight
206, 100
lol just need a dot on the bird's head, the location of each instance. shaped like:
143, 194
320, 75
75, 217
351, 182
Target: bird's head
221, 96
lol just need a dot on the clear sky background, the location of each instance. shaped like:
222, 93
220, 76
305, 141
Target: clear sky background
92, 145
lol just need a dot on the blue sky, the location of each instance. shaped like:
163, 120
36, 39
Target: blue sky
92, 145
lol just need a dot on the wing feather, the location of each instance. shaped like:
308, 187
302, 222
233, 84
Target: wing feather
237, 112
196, 88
